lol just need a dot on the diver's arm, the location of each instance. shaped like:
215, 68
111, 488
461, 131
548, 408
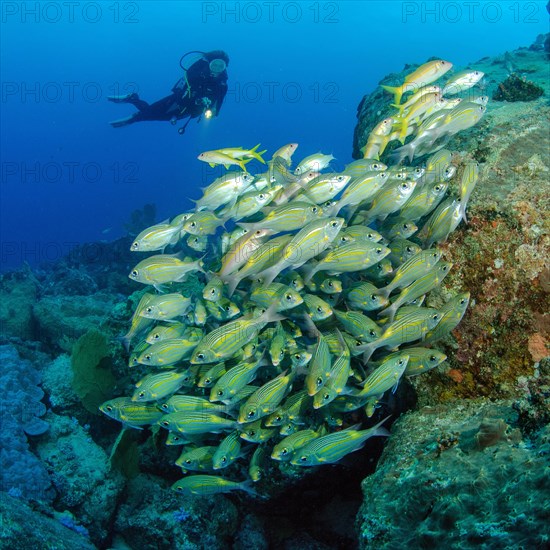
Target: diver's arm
220, 96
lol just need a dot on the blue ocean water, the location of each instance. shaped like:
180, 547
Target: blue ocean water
297, 73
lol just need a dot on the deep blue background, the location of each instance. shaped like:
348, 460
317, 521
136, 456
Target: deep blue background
91, 176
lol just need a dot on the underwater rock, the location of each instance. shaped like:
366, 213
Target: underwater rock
153, 516
515, 88
80, 470
61, 320
18, 293
57, 377
435, 487
24, 527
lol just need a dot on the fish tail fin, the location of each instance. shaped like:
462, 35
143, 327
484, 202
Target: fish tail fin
125, 341
246, 486
309, 272
270, 315
242, 164
388, 312
397, 91
232, 282
368, 350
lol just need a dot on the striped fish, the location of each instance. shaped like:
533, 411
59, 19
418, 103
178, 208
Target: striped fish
169, 352
319, 368
442, 222
410, 327
356, 256
417, 266
336, 383
156, 237
191, 403
330, 448
420, 359
161, 333
163, 268
138, 323
362, 189
130, 413
323, 188
386, 376
194, 423
424, 200
199, 459
255, 469
285, 449
234, 380
313, 239
228, 451
268, 253
265, 399
287, 217
241, 250
166, 306
358, 325
467, 184
224, 341
365, 296
202, 485
203, 223
158, 385
451, 314
418, 288
253, 432
389, 199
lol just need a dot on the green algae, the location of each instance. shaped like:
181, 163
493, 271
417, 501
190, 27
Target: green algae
91, 361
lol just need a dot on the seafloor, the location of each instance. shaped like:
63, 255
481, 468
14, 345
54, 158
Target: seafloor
468, 461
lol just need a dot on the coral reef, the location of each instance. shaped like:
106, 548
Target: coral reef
93, 380
80, 470
21, 473
24, 527
515, 88
463, 475
152, 516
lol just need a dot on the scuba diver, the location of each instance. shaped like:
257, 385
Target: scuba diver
200, 91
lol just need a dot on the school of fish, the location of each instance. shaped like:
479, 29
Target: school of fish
313, 291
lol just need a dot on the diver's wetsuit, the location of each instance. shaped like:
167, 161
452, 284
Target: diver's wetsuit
191, 96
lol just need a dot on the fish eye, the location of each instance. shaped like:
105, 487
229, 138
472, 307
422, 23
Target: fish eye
373, 297
208, 381
405, 185
284, 452
178, 488
135, 245
463, 301
251, 413
258, 232
252, 433
164, 406
213, 291
340, 178
187, 461
314, 209
148, 357
193, 224
379, 250
405, 226
156, 336
409, 249
200, 356
278, 418
330, 285
261, 196
400, 362
297, 357
165, 423
303, 458
135, 273
334, 224
220, 393
319, 381
372, 333
288, 297
228, 308
149, 309
141, 394
326, 396
224, 459
319, 309
433, 358
109, 408
375, 165
435, 317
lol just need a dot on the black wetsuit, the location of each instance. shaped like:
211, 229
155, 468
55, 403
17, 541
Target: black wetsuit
186, 99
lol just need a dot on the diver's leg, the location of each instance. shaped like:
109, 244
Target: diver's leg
133, 99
